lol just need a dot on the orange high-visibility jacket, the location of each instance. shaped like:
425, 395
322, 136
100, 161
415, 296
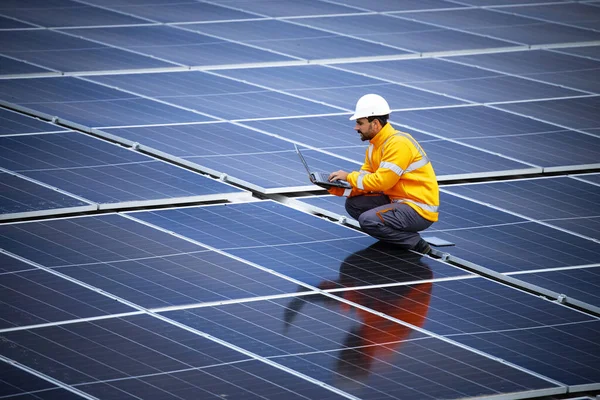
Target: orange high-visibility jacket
396, 165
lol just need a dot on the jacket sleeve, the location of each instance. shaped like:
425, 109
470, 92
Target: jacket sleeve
397, 155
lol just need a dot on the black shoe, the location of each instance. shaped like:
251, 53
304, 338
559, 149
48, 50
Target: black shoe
422, 247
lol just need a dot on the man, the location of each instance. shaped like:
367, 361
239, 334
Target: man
395, 194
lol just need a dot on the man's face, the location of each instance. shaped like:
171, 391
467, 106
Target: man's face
367, 130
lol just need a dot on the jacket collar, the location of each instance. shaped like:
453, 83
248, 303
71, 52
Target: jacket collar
383, 135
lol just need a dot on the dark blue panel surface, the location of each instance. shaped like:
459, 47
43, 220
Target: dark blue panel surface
191, 140
179, 46
285, 9
115, 348
91, 104
9, 23
580, 283
215, 96
404, 5
592, 52
357, 262
539, 33
530, 62
495, 89
472, 122
540, 199
62, 52
261, 32
436, 40
275, 170
19, 195
36, 297
76, 241
12, 123
9, 66
475, 306
364, 354
295, 40
247, 224
521, 247
188, 11
403, 33
457, 213
504, 26
242, 380
75, 14
568, 354
579, 113
552, 67
100, 171
582, 15
478, 306
470, 18
593, 178
180, 279
587, 226
299, 78
419, 70
541, 149
16, 382
11, 264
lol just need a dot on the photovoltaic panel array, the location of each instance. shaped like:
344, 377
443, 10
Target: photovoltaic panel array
160, 238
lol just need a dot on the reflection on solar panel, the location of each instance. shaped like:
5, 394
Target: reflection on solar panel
222, 272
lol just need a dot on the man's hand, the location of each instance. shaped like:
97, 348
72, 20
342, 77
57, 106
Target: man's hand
338, 175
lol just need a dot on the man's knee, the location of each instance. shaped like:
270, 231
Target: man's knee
351, 208
369, 221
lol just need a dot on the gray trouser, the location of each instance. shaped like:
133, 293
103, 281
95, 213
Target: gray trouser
396, 223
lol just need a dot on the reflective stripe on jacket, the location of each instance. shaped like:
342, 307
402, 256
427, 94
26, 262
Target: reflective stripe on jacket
396, 165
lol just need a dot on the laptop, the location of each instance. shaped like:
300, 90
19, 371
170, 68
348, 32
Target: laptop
321, 178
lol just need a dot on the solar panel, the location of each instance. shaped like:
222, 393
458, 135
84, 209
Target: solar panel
551, 67
90, 104
471, 310
33, 296
588, 51
580, 15
167, 12
17, 382
102, 172
573, 283
22, 198
178, 46
71, 14
62, 52
521, 247
293, 40
394, 30
405, 5
10, 66
216, 96
279, 9
267, 297
537, 199
337, 88
569, 113
14, 123
243, 156
10, 23
154, 280
504, 26
365, 355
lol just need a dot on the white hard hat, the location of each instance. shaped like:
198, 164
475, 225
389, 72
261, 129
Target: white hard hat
370, 104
